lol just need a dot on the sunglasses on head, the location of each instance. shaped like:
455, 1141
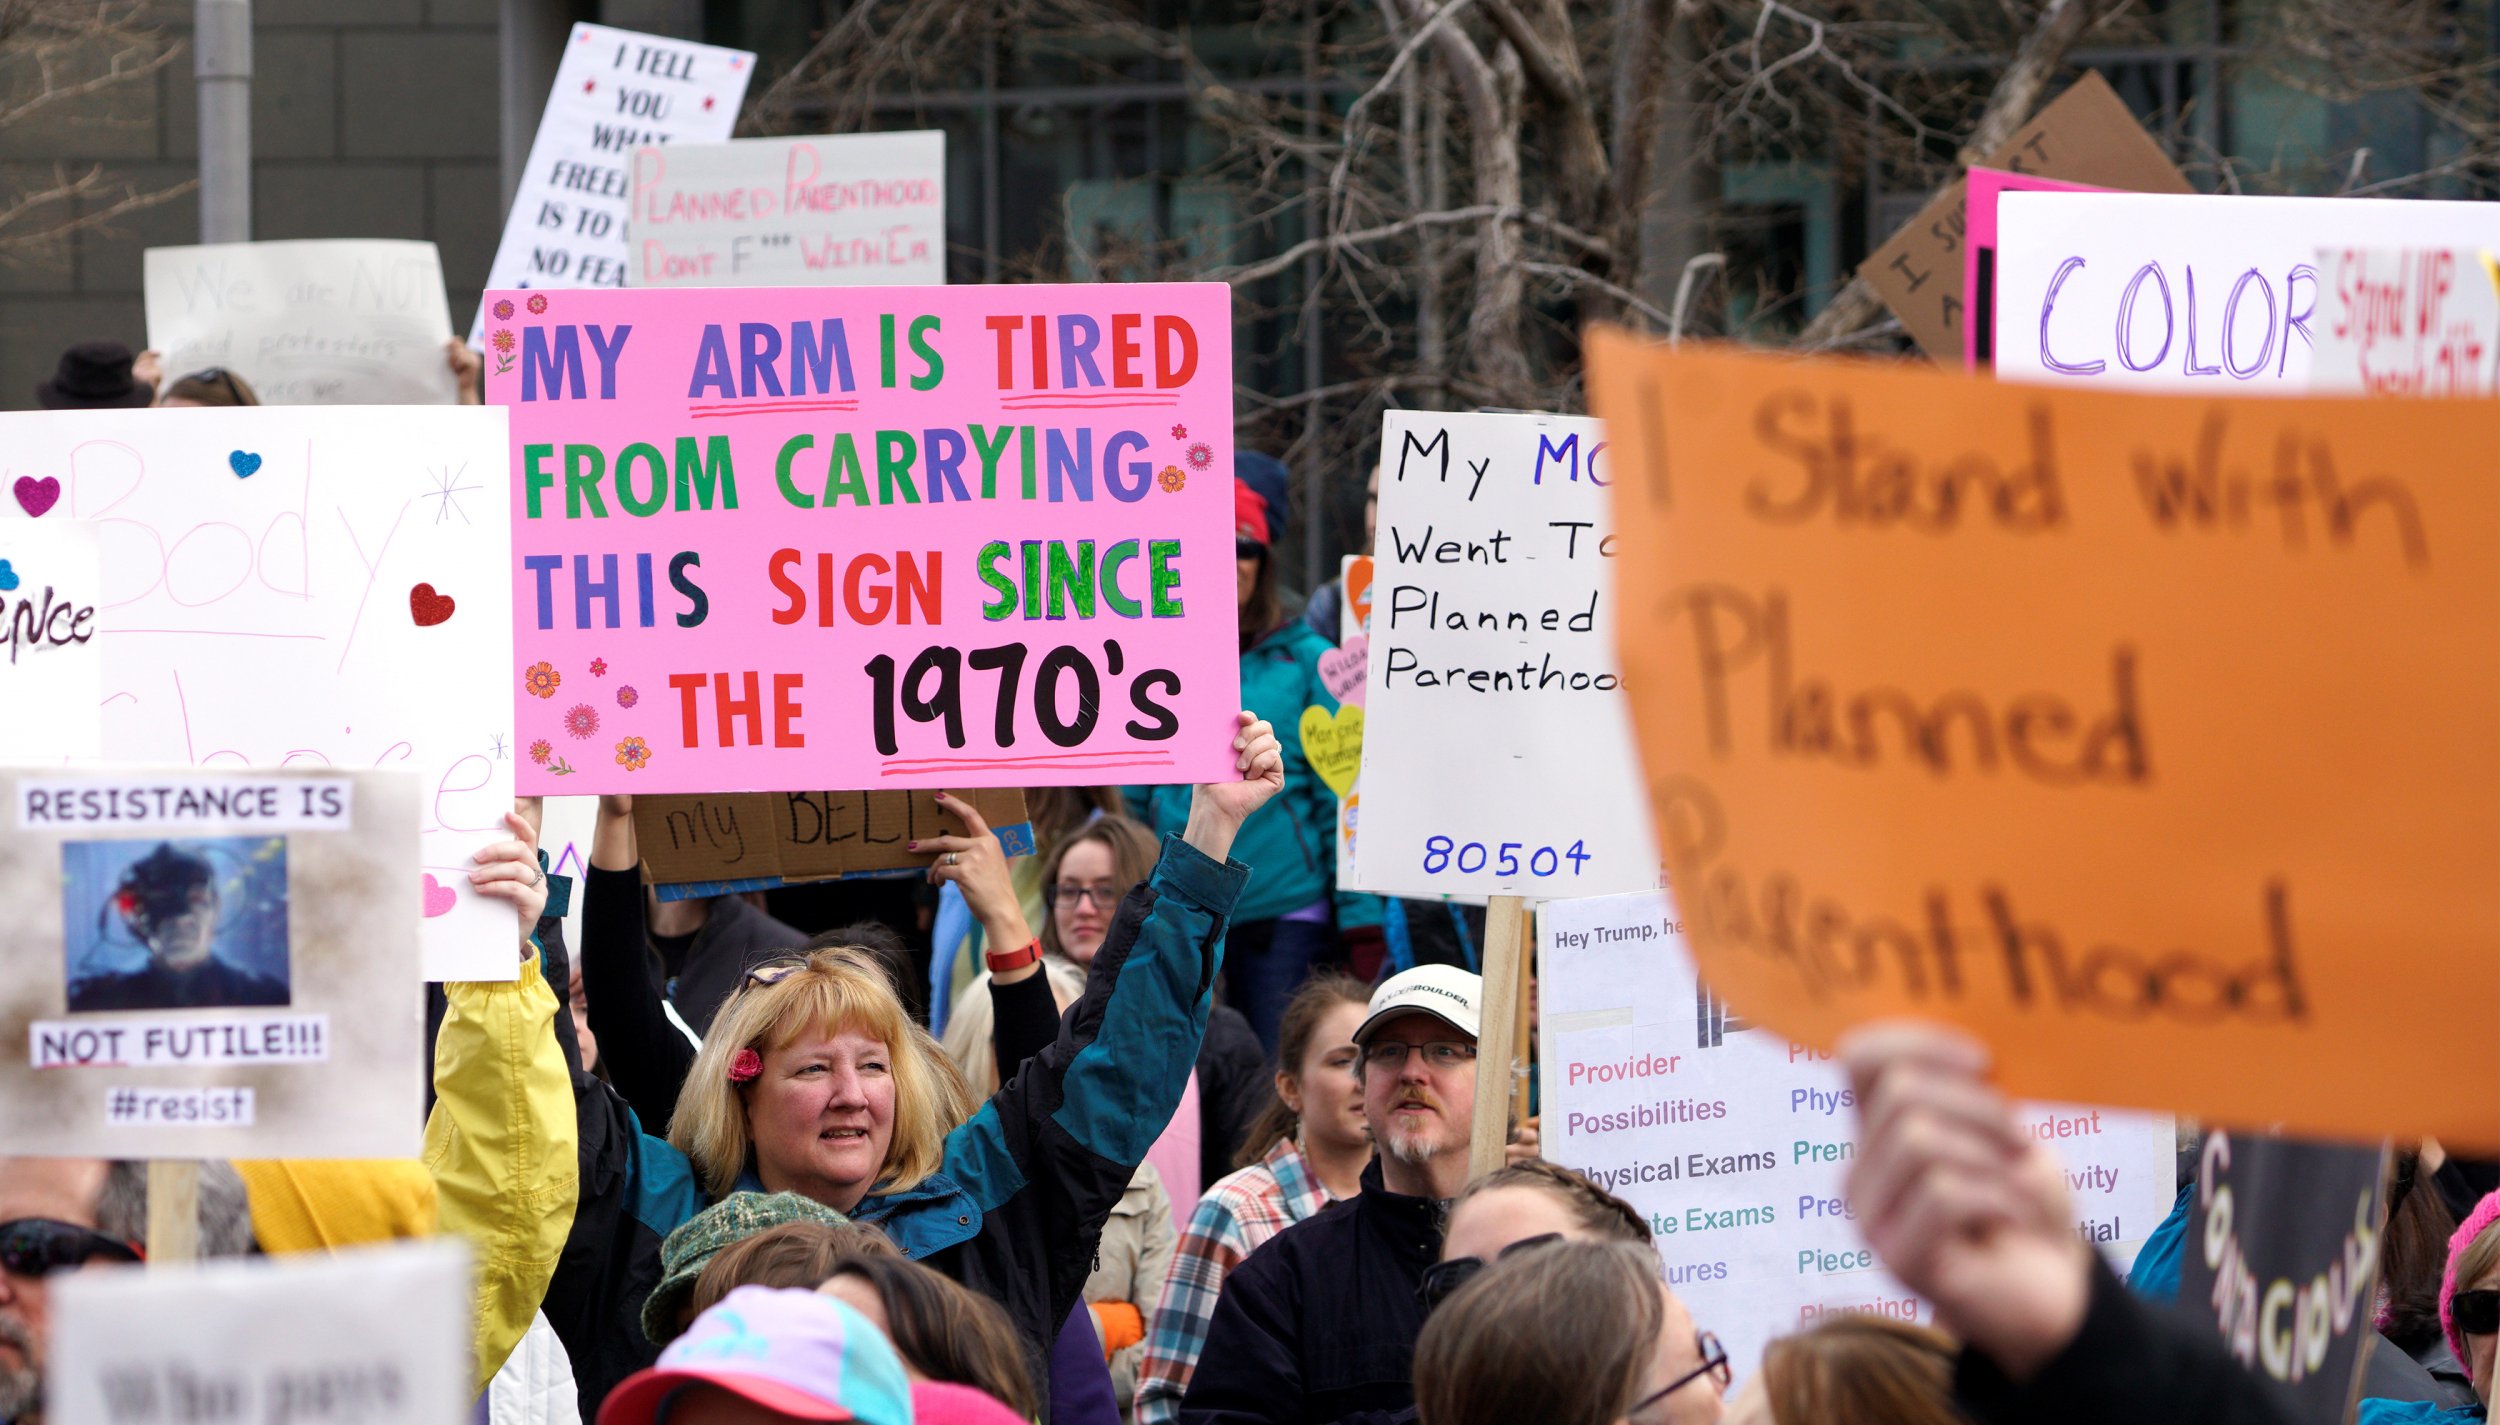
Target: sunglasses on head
2477, 1313
217, 376
1443, 1279
40, 1246
773, 972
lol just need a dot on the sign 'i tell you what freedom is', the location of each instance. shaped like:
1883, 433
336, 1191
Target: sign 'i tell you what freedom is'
787, 538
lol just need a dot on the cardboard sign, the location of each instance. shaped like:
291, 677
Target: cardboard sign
1735, 1142
831, 210
338, 323
2282, 1257
366, 1336
2145, 737
2406, 322
616, 91
304, 586
206, 963
1979, 253
785, 538
2215, 295
1492, 649
757, 840
2086, 135
52, 687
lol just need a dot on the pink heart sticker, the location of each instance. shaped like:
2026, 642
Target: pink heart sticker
36, 496
1341, 670
439, 898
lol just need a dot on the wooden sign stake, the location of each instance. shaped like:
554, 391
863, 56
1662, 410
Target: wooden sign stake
1505, 925
173, 1212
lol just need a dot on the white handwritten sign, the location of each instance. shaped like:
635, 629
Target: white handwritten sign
51, 590
366, 1336
2407, 322
338, 323
1492, 646
1735, 1143
615, 91
202, 986
827, 211
306, 586
2220, 294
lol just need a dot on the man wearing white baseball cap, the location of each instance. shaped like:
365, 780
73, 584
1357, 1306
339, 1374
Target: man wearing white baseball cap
1319, 1326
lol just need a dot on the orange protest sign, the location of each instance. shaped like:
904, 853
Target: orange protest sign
2154, 739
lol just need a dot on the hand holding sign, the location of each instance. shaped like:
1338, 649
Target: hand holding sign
1963, 1207
977, 864
509, 871
1217, 809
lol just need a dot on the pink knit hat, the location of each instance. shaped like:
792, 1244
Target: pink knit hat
2485, 1213
934, 1403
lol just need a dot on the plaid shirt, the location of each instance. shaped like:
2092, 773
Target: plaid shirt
1239, 1213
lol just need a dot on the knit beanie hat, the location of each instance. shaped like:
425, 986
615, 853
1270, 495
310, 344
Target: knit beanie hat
697, 1240
939, 1403
2485, 1213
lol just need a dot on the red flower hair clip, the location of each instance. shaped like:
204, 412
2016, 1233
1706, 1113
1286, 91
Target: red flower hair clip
744, 1066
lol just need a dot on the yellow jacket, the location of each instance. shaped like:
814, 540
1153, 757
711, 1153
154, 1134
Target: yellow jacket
504, 1148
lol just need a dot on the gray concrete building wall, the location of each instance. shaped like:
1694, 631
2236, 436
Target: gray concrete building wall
370, 118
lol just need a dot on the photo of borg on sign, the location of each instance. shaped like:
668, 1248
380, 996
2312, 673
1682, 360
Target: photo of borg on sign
175, 925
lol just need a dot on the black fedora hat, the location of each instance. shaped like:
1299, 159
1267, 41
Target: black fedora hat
93, 376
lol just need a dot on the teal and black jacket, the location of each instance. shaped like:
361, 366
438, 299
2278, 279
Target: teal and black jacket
1018, 1205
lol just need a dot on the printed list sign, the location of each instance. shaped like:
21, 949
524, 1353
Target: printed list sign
616, 91
1735, 1142
206, 966
1492, 646
2217, 295
341, 323
2144, 737
302, 586
365, 1336
826, 211
2406, 322
788, 538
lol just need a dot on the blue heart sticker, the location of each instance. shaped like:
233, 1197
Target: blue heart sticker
243, 463
8, 576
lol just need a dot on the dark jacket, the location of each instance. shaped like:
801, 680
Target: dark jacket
1233, 1088
1319, 1325
2131, 1362
735, 938
212, 984
1026, 1183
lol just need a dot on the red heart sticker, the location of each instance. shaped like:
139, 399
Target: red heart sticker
427, 607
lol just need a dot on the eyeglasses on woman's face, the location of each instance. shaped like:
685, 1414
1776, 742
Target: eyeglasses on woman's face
1099, 897
2477, 1313
1714, 1364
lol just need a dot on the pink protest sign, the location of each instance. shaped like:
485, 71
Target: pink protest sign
780, 539
1979, 253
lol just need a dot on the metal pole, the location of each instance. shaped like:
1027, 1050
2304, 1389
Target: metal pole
222, 51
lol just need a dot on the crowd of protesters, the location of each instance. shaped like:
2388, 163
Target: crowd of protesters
1189, 1147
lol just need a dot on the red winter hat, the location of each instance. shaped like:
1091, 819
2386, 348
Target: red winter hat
1249, 512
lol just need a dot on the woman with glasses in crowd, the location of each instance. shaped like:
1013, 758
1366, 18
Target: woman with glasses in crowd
2469, 1312
1568, 1333
814, 1079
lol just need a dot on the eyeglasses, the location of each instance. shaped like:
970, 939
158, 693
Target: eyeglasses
40, 1246
1439, 1054
217, 375
2477, 1313
1442, 1280
773, 972
1099, 897
1713, 1364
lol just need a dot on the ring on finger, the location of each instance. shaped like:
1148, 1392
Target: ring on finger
538, 876
952, 858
